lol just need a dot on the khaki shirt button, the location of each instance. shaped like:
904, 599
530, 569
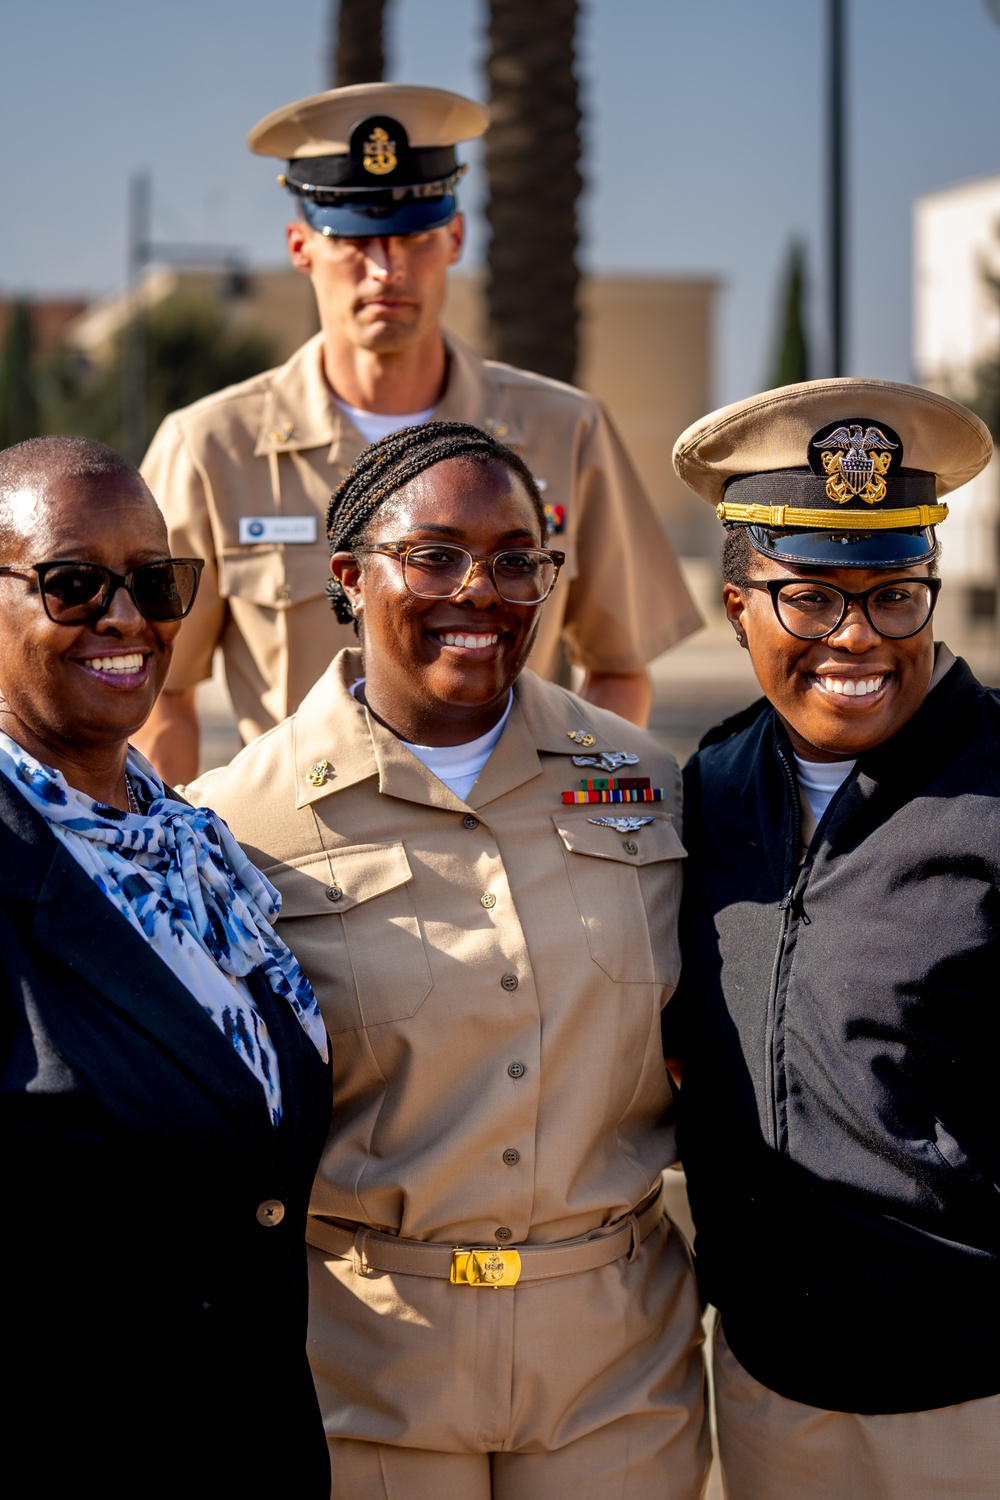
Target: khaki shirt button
270, 1212
511, 1157
503, 1233
334, 893
509, 981
283, 592
488, 900
469, 821
630, 846
516, 1070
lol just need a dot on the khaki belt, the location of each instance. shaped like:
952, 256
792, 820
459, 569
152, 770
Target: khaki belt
489, 1265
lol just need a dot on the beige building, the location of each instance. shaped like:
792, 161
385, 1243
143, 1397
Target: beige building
646, 352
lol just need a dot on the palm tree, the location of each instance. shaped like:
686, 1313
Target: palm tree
532, 161
357, 47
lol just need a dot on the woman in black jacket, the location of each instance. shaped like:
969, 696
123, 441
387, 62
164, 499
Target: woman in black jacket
837, 1018
164, 1083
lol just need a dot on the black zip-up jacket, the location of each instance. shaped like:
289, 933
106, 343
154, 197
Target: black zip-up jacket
839, 1023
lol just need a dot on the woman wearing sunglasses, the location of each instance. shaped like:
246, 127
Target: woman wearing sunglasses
838, 1019
499, 1305
164, 1084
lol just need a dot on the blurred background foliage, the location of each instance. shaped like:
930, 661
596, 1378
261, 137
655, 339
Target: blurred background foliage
191, 352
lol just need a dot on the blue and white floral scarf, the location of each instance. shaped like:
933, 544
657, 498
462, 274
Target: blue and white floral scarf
180, 878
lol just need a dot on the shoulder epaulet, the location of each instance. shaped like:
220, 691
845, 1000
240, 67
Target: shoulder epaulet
735, 724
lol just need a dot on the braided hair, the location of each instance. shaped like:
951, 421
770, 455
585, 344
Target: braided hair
388, 465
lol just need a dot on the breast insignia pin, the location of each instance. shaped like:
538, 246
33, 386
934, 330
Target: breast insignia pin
623, 825
606, 760
318, 774
581, 737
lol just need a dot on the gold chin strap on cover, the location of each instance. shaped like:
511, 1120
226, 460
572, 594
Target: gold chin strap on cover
787, 517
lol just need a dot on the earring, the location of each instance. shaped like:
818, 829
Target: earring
739, 637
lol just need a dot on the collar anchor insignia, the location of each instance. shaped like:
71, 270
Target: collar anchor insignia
319, 773
581, 737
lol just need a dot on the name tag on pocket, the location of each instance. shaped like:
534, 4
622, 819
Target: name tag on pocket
277, 529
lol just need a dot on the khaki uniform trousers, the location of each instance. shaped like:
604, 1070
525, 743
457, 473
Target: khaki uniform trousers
560, 1407
775, 1449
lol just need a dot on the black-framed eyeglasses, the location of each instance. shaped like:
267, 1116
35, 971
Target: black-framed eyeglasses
440, 570
811, 610
79, 593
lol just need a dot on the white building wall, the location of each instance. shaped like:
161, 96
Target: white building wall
956, 325
956, 314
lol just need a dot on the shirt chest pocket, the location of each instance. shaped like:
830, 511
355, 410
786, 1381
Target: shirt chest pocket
627, 885
348, 917
275, 577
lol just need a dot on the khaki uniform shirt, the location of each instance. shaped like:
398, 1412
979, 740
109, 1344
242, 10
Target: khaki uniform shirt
278, 445
492, 974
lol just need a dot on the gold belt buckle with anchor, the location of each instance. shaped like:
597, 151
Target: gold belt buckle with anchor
493, 1268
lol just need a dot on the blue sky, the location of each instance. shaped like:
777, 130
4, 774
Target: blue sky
703, 138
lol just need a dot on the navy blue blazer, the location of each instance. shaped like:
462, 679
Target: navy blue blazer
154, 1297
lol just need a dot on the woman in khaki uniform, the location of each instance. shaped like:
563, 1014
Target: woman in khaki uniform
500, 1307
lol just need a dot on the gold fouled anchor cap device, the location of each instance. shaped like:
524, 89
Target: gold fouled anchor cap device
843, 473
372, 159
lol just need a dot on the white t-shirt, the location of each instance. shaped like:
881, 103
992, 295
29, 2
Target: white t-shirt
820, 779
375, 424
456, 765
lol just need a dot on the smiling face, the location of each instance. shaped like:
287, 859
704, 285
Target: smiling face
438, 671
847, 693
69, 694
384, 295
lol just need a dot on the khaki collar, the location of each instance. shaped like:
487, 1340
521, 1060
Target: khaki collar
542, 718
300, 412
475, 394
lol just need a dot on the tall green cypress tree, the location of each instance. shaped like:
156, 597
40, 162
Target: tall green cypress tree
18, 403
790, 362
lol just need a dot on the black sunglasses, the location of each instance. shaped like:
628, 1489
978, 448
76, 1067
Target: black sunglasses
79, 593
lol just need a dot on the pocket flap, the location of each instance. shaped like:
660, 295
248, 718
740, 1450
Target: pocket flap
655, 841
277, 577
339, 879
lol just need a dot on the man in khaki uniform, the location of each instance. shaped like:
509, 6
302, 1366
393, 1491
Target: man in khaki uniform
491, 972
244, 476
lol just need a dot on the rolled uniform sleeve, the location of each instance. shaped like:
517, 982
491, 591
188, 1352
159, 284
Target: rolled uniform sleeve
628, 602
179, 488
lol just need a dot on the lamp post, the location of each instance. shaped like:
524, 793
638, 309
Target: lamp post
143, 250
836, 193
134, 349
